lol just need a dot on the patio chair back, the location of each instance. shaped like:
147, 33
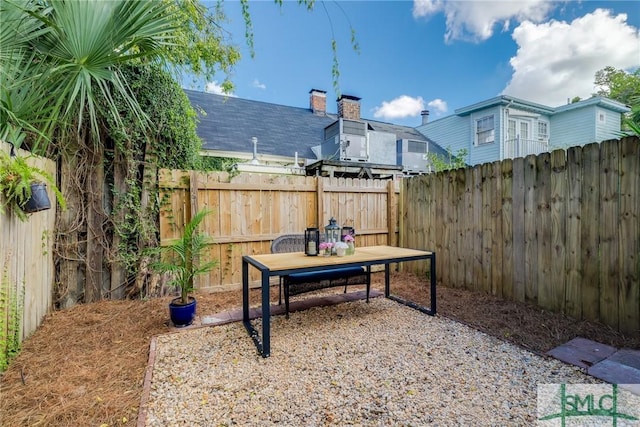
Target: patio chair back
288, 243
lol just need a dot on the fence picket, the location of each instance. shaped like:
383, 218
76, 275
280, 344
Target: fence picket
557, 214
608, 248
573, 290
530, 235
507, 230
517, 234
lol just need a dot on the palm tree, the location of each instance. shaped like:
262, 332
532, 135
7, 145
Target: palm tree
62, 55
184, 257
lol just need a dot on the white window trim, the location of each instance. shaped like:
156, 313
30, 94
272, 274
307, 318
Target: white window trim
489, 140
545, 137
601, 117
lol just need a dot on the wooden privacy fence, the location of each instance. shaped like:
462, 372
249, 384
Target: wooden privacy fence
560, 230
250, 210
26, 259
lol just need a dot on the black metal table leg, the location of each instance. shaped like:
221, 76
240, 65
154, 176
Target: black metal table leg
266, 316
245, 291
387, 288
432, 274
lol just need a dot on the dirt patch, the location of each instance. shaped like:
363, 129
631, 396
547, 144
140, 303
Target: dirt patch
86, 365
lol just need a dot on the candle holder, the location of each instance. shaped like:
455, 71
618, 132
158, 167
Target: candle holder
348, 235
311, 241
332, 234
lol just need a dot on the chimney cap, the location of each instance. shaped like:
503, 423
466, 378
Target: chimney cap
424, 112
317, 90
350, 97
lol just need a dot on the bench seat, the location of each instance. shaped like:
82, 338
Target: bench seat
333, 274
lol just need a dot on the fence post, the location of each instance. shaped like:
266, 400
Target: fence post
392, 209
193, 194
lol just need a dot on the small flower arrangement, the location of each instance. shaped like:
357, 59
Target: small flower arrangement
341, 248
350, 240
325, 248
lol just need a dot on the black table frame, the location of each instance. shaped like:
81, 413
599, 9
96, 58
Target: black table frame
264, 345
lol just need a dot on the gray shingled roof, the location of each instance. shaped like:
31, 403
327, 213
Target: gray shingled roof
230, 123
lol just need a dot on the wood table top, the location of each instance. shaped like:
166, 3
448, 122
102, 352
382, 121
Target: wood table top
365, 254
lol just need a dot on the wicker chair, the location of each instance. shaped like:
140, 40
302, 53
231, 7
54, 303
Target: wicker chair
299, 283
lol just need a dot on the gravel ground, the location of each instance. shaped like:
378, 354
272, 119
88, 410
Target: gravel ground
376, 364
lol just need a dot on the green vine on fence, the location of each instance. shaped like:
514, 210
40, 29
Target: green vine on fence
134, 155
11, 308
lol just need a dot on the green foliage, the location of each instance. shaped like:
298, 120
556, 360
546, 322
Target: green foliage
171, 142
172, 137
452, 161
618, 84
224, 164
623, 87
16, 177
76, 47
200, 45
183, 258
632, 122
11, 308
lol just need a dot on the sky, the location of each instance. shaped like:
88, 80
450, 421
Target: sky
434, 55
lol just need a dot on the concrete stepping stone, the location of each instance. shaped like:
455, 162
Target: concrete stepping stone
622, 367
582, 352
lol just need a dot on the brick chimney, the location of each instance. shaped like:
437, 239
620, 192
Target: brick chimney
349, 107
318, 101
425, 116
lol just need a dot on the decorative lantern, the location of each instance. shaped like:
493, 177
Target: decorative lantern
347, 231
311, 241
332, 232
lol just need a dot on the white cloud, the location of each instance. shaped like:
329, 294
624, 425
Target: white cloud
256, 83
558, 60
475, 20
401, 107
439, 106
214, 87
425, 8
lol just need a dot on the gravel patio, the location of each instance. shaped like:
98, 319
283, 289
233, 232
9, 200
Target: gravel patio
354, 363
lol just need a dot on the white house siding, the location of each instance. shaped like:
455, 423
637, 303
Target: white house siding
573, 127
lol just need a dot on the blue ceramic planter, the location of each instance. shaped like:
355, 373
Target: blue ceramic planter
182, 315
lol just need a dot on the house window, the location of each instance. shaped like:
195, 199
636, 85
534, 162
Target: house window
524, 130
602, 117
485, 130
543, 131
511, 130
416, 147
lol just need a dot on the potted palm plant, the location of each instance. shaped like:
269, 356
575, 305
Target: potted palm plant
183, 260
24, 186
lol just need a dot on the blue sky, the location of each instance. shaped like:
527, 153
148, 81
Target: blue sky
430, 54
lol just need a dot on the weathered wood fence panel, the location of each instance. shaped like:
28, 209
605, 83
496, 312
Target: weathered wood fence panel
250, 210
26, 257
561, 230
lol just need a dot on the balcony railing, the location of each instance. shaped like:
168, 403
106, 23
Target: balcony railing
520, 147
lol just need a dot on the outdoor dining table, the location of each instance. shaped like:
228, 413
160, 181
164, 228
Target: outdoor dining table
281, 264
